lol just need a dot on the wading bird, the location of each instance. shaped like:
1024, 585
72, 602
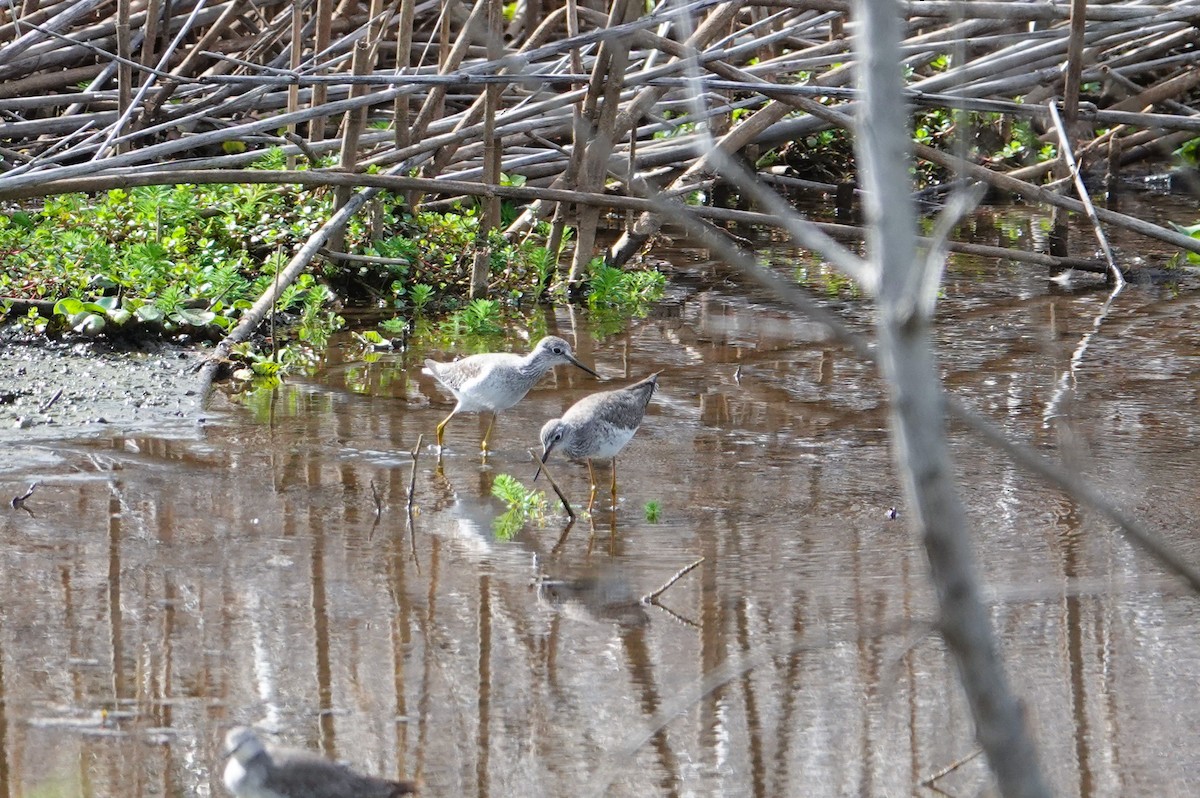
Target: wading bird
597, 427
495, 381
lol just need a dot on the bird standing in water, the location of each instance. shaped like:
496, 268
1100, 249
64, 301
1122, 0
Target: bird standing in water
260, 770
597, 427
496, 381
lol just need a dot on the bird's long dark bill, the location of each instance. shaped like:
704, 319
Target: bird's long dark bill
585, 368
545, 454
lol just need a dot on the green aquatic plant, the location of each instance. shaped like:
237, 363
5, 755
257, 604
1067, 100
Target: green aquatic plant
1192, 231
544, 263
199, 254
420, 295
479, 317
395, 326
653, 511
630, 290
523, 506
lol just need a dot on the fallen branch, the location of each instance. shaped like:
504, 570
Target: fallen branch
652, 598
18, 502
561, 497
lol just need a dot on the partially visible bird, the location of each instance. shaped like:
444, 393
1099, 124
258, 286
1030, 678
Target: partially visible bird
597, 427
495, 381
261, 770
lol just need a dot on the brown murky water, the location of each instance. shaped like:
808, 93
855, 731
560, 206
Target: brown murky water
240, 573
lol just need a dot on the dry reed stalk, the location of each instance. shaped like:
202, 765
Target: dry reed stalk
243, 66
481, 265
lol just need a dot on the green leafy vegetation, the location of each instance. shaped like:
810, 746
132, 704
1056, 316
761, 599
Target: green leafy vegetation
524, 506
1189, 153
610, 287
164, 260
653, 511
615, 296
1194, 232
185, 262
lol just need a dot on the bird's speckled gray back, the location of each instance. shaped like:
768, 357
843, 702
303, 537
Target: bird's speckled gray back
591, 418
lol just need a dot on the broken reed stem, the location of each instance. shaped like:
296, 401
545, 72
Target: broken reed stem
1064, 141
652, 598
929, 780
378, 499
561, 496
18, 502
412, 477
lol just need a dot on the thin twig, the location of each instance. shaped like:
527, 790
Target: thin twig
47, 404
652, 598
18, 502
561, 497
1064, 142
412, 477
928, 781
377, 498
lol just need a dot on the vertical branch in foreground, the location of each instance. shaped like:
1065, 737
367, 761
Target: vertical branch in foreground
481, 266
296, 47
124, 68
906, 301
320, 92
352, 127
599, 123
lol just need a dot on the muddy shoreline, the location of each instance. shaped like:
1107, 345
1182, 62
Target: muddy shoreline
51, 389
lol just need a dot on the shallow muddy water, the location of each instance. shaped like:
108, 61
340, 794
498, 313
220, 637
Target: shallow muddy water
166, 586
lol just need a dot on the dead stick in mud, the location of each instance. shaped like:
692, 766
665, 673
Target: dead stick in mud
412, 477
652, 598
1064, 142
542, 466
929, 780
18, 502
299, 262
49, 402
377, 498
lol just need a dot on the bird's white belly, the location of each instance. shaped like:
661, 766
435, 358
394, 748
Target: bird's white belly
609, 442
488, 393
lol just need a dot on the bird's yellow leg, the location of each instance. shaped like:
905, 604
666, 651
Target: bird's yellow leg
614, 483
483, 443
441, 429
592, 479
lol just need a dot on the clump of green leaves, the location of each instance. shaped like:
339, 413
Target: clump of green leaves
1194, 232
162, 259
653, 511
524, 505
1189, 153
611, 287
420, 296
479, 317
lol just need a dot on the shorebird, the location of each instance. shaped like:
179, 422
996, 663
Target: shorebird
495, 381
597, 427
260, 770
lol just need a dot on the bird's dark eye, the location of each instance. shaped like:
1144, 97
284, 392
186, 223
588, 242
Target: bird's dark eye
558, 350
558, 436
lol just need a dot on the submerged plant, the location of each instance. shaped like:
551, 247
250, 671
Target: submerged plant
617, 288
479, 317
524, 505
420, 295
